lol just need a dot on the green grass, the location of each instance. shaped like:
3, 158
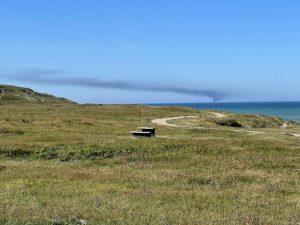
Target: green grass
207, 119
65, 164
13, 94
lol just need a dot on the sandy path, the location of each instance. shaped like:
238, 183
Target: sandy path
164, 122
218, 115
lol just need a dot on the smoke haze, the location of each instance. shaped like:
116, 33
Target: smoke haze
44, 77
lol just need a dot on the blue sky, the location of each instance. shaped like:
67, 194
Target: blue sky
249, 50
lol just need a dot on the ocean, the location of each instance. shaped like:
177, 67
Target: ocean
285, 110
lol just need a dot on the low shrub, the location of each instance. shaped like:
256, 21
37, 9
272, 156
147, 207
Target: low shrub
229, 123
16, 153
10, 131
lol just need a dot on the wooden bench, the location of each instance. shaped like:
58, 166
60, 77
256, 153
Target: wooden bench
141, 133
148, 129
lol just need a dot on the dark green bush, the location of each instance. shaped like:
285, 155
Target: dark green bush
229, 123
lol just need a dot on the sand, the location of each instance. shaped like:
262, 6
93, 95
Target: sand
164, 122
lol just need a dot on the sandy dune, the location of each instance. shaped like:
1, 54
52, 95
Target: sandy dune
218, 115
164, 122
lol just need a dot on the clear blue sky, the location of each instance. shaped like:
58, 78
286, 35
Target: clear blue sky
250, 49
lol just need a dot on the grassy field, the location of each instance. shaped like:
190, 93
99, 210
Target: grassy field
63, 163
13, 94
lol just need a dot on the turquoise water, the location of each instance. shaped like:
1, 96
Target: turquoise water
285, 110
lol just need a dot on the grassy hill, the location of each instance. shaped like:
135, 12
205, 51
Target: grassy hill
9, 94
69, 164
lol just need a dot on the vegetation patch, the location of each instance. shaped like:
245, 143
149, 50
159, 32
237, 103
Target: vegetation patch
2, 168
12, 94
229, 123
202, 181
11, 131
77, 164
68, 153
15, 153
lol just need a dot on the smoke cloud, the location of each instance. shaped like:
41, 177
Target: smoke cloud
42, 76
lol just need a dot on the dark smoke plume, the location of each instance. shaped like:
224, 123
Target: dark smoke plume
42, 76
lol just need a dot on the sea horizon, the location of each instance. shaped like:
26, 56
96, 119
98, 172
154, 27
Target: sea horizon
287, 110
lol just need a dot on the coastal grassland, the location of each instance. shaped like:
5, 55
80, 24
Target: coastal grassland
210, 120
74, 164
14, 94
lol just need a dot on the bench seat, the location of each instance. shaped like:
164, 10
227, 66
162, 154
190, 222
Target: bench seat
148, 129
141, 133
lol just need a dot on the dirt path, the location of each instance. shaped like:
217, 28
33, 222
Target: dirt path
218, 115
164, 122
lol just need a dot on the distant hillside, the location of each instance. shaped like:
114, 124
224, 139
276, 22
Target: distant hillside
10, 94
